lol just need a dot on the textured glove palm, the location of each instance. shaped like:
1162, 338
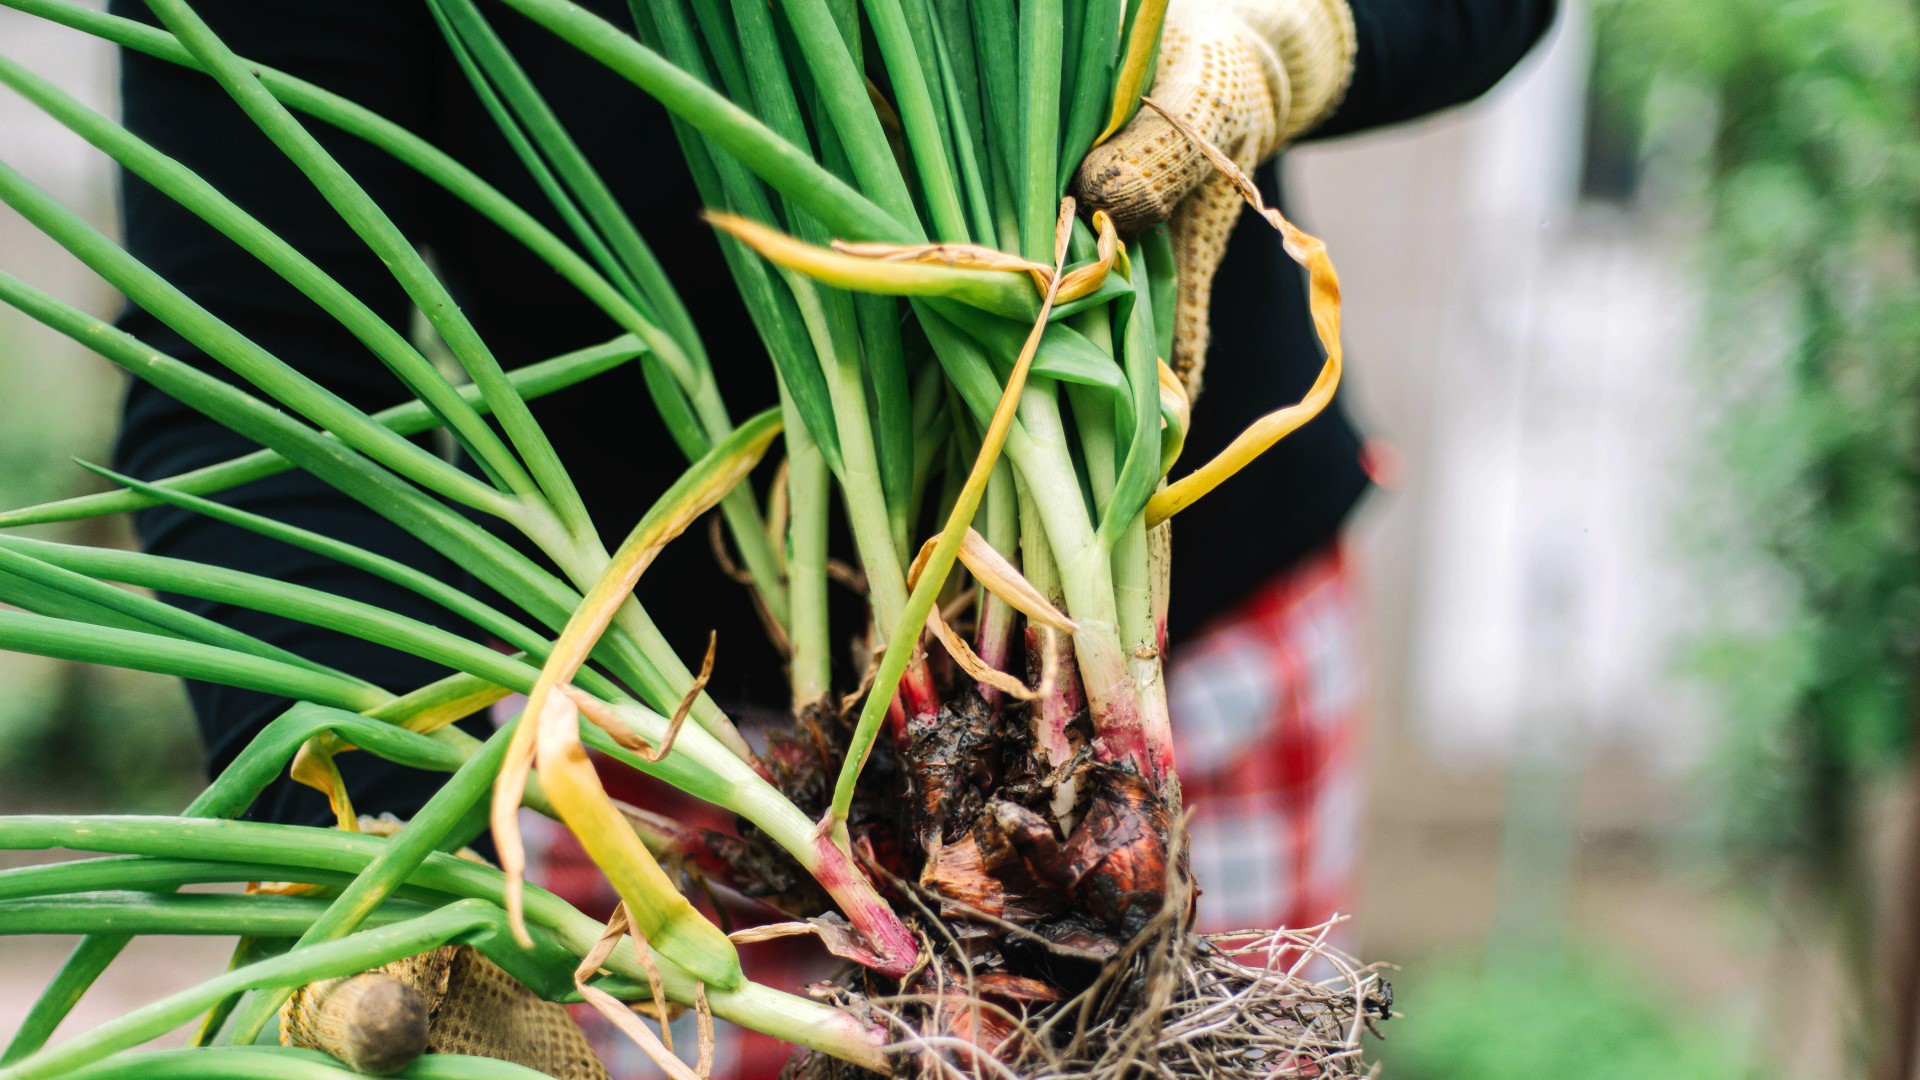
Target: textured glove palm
451, 1000
1249, 76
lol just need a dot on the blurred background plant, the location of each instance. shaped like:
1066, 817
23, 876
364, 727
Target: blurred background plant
1807, 180
1575, 1018
1811, 198
71, 736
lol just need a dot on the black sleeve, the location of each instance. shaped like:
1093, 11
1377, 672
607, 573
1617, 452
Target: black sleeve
372, 53
1414, 57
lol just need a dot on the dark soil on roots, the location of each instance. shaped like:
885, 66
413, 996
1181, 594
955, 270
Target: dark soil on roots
1058, 946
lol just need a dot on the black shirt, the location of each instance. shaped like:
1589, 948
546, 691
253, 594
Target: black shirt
1414, 56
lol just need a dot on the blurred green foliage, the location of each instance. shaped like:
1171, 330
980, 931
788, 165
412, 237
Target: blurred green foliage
73, 736
1793, 127
1572, 1020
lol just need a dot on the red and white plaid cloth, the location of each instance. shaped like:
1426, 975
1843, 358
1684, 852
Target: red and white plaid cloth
1267, 705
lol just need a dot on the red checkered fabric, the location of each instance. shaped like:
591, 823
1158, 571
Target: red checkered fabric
1266, 705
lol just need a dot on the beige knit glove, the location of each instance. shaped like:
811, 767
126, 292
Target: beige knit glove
452, 1000
1249, 76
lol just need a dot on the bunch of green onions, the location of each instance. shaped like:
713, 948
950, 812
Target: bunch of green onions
972, 366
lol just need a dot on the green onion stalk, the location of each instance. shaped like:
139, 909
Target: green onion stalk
970, 375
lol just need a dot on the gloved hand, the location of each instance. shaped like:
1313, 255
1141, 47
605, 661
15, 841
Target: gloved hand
1249, 76
452, 1000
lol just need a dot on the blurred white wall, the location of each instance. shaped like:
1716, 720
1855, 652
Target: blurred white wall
1523, 352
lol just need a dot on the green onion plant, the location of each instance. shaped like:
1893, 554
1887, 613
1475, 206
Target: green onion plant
969, 372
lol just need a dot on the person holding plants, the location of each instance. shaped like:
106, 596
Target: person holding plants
1266, 680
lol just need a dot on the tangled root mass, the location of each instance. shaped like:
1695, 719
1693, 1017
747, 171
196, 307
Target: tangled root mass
1171, 1005
1065, 952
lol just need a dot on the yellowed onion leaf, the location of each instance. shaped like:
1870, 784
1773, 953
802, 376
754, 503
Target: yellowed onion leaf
977, 669
996, 291
429, 720
834, 932
1002, 579
1131, 82
549, 733
1323, 299
658, 1048
958, 256
1086, 279
1174, 398
314, 767
606, 716
997, 576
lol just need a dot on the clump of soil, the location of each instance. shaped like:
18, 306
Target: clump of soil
1059, 946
